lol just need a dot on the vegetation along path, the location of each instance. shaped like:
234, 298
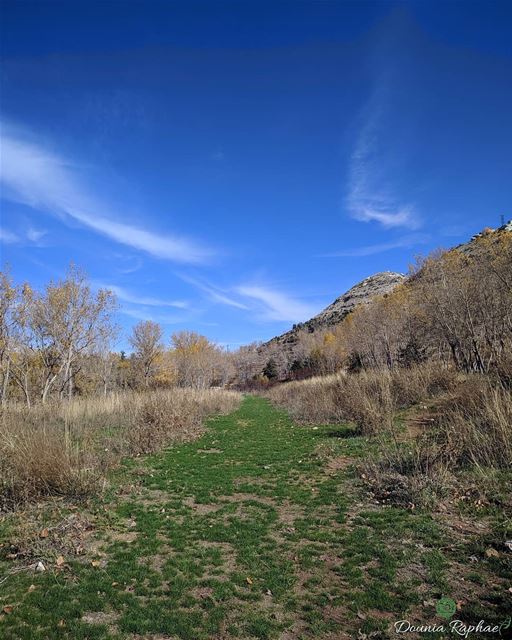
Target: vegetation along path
259, 529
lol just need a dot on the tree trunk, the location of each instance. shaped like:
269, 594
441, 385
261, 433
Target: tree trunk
5, 385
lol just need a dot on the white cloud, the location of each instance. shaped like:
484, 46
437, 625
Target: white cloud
214, 293
372, 249
28, 236
38, 178
35, 235
8, 237
276, 305
141, 313
127, 296
370, 197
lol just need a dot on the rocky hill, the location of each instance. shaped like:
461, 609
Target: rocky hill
362, 293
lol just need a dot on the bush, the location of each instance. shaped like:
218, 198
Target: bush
370, 398
68, 449
472, 430
474, 425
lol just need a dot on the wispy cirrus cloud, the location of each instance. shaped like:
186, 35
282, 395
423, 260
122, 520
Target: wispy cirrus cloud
28, 236
39, 178
276, 305
132, 298
36, 235
371, 196
372, 249
8, 237
214, 293
143, 313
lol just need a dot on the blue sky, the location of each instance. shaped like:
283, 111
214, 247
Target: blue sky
232, 167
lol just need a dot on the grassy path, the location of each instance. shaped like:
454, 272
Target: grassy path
257, 530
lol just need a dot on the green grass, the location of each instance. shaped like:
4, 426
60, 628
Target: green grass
247, 533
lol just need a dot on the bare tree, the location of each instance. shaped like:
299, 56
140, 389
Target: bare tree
68, 321
199, 363
146, 340
8, 301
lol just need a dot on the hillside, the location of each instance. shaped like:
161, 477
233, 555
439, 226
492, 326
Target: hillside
363, 293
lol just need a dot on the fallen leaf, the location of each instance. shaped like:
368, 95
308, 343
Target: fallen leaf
268, 592
114, 584
11, 556
8, 609
44, 533
60, 561
492, 553
61, 623
32, 588
508, 544
249, 580
95, 563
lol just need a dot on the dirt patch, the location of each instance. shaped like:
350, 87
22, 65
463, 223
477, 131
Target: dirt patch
411, 571
209, 451
245, 497
150, 496
297, 630
100, 617
202, 593
334, 465
200, 508
334, 614
289, 512
124, 536
157, 561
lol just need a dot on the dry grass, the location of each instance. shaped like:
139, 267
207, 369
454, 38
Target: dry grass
370, 399
474, 425
67, 449
470, 429
471, 432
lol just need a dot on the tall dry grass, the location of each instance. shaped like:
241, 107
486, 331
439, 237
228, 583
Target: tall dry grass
469, 430
67, 449
370, 399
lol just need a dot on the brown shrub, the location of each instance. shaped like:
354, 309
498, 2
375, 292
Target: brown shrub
369, 398
474, 425
472, 430
42, 460
67, 449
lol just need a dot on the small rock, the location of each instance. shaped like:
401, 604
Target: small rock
508, 544
40, 567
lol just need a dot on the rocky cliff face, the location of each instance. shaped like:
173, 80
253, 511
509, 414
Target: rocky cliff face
362, 293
